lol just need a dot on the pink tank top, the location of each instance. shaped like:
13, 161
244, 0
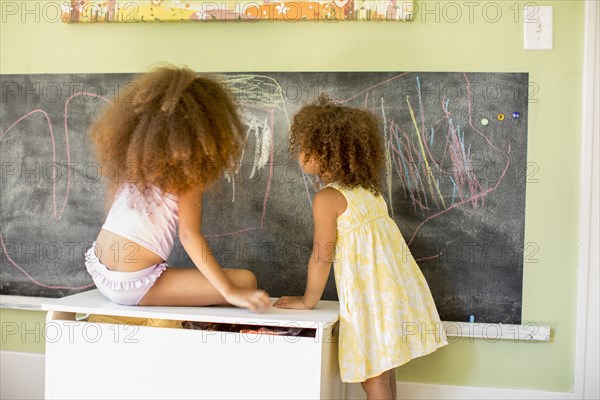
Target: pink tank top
150, 223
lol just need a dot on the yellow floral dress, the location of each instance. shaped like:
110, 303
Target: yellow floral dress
387, 313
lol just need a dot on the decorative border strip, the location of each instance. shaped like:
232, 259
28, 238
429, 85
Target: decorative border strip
236, 11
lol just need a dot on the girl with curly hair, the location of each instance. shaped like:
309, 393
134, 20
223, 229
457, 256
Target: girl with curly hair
159, 150
387, 313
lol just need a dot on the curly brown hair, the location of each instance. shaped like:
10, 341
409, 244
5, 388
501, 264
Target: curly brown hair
178, 130
344, 141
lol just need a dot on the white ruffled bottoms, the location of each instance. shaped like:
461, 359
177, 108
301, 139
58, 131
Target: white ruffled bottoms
126, 288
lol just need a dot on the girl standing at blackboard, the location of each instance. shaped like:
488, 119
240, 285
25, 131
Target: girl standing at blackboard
387, 313
159, 147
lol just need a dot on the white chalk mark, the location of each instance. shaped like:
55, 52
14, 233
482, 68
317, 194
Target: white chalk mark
388, 159
261, 131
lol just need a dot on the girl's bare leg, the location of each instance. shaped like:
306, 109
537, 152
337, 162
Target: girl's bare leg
393, 386
378, 387
189, 287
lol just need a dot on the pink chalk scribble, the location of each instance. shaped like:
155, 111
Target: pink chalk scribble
57, 213
409, 155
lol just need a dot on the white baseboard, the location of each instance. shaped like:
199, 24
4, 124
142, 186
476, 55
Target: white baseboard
425, 391
21, 375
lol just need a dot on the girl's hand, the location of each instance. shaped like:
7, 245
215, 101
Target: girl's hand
295, 302
254, 300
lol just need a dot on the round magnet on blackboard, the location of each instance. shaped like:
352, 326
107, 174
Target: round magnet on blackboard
516, 114
500, 117
484, 121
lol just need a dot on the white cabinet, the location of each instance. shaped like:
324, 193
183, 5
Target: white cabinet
98, 360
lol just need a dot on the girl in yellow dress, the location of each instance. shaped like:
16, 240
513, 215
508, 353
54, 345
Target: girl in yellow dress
387, 313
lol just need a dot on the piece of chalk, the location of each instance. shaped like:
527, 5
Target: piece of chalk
472, 319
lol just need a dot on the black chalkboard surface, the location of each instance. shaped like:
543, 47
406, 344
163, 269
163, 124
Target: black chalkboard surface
455, 180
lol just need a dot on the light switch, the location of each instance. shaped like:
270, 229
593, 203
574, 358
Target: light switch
538, 27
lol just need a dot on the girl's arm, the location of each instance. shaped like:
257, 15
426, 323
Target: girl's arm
327, 206
194, 243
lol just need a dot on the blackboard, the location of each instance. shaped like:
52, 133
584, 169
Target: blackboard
455, 179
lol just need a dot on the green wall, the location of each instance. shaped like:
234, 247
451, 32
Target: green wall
430, 43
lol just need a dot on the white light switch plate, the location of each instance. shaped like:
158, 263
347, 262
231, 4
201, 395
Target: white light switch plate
538, 27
